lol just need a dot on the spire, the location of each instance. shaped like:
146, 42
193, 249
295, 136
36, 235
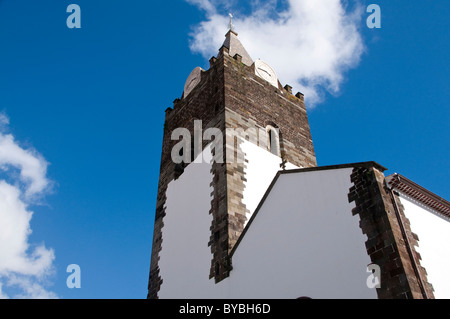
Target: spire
235, 46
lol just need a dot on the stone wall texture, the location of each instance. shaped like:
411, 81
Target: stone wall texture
390, 242
229, 96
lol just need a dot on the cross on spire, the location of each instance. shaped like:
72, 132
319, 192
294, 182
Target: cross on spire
230, 24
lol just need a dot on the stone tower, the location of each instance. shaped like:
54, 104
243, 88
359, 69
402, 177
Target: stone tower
264, 129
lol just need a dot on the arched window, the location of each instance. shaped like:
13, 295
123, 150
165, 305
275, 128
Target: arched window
273, 140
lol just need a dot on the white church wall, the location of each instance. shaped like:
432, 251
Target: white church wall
434, 240
303, 242
185, 258
261, 168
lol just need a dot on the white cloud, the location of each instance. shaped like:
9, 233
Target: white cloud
4, 120
29, 288
32, 166
310, 43
22, 266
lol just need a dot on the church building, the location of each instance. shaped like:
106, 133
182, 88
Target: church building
243, 210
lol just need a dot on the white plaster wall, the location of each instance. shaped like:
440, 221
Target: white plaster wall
434, 245
303, 242
261, 168
185, 258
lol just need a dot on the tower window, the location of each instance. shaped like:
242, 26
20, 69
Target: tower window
273, 140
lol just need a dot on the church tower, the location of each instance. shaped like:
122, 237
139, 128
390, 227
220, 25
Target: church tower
252, 126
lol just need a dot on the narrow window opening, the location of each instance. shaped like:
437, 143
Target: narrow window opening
273, 140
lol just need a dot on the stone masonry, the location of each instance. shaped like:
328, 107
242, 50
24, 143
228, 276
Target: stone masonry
390, 242
229, 95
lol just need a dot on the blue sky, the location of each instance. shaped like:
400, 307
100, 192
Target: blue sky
91, 102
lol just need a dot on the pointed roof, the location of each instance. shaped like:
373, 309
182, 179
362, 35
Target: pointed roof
235, 46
